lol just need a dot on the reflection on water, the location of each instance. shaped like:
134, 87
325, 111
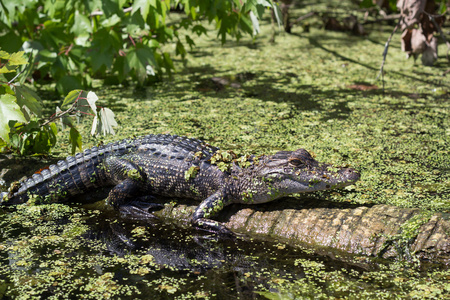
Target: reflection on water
68, 252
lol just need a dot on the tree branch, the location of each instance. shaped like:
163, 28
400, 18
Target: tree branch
386, 18
62, 113
298, 20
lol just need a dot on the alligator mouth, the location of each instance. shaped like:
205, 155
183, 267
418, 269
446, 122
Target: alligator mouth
333, 180
342, 178
349, 174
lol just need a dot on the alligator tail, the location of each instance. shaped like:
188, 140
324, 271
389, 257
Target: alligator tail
71, 176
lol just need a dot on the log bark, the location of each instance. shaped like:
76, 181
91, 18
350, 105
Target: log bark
381, 230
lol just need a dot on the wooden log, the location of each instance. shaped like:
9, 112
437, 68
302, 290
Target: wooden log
380, 230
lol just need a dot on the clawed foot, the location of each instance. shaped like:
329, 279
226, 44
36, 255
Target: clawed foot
138, 210
214, 227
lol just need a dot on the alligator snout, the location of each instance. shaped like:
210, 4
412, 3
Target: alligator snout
349, 174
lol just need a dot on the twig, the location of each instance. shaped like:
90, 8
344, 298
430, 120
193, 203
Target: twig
99, 12
385, 52
298, 20
386, 46
15, 77
59, 115
386, 18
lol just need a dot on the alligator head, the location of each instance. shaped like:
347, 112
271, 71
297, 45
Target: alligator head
288, 172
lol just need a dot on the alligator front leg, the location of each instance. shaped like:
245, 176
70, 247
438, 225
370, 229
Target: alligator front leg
208, 208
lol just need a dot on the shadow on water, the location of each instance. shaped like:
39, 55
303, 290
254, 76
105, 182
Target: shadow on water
305, 97
315, 42
224, 267
231, 267
269, 87
15, 167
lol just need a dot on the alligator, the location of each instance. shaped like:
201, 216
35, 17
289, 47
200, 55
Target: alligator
174, 166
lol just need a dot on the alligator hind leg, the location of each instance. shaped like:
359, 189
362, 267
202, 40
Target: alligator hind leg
126, 198
127, 195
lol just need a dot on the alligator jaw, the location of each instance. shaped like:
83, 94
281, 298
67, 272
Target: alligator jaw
325, 179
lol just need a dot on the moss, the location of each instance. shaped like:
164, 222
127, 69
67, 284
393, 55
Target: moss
191, 173
405, 238
296, 93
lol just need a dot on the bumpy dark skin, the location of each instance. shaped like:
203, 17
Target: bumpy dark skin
176, 166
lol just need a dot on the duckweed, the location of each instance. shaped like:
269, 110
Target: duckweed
296, 93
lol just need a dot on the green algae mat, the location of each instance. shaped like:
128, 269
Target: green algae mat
313, 90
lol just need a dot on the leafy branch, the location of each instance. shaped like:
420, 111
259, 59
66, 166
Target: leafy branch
75, 41
23, 128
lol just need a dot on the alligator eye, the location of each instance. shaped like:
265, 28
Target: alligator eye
296, 161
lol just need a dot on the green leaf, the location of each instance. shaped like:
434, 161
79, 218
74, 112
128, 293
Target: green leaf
55, 7
105, 45
27, 97
48, 55
9, 110
143, 6
81, 25
264, 3
246, 25
11, 40
111, 7
70, 98
121, 68
54, 130
190, 42
83, 105
75, 140
4, 54
101, 58
442, 8
68, 83
32, 138
227, 25
2, 145
180, 50
24, 143
18, 59
199, 30
8, 69
14, 139
366, 4
168, 62
40, 142
138, 58
30, 67
113, 20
